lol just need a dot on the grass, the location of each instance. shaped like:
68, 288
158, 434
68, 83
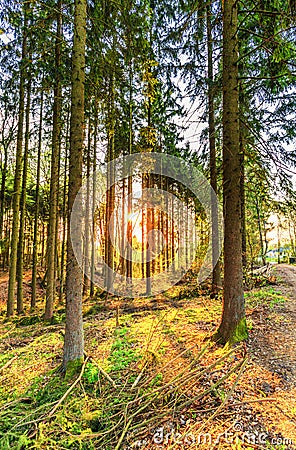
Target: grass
137, 353
155, 360
267, 296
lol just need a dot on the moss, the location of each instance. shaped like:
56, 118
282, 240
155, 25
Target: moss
238, 334
28, 320
73, 367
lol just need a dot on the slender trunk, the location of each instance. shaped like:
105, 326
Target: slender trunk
143, 267
233, 324
7, 239
216, 277
242, 132
243, 205
74, 342
122, 232
186, 233
54, 180
2, 191
94, 182
64, 212
20, 247
110, 197
167, 230
18, 171
173, 234
260, 230
86, 282
129, 230
43, 245
57, 243
148, 227
279, 239
36, 213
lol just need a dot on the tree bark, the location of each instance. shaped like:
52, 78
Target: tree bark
18, 171
86, 281
243, 203
36, 213
260, 230
64, 214
20, 248
110, 195
74, 341
233, 324
3, 183
129, 263
54, 180
93, 221
216, 277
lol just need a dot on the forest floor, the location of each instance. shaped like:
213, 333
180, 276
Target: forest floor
153, 379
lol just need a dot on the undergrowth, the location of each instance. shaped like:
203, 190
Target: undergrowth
152, 372
137, 376
266, 296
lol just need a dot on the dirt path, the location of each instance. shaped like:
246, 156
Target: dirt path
283, 339
272, 349
274, 340
287, 273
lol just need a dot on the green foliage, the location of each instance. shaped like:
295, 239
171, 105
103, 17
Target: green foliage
91, 373
156, 381
58, 317
123, 351
267, 296
28, 320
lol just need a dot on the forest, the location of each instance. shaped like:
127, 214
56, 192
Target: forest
147, 224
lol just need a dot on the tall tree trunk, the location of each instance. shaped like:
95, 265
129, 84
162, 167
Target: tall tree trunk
2, 190
86, 281
260, 230
148, 228
173, 234
74, 342
122, 233
110, 197
278, 227
242, 143
54, 179
233, 326
94, 182
243, 204
129, 263
18, 171
216, 277
20, 248
64, 213
36, 213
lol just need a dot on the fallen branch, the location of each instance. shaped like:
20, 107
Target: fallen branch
8, 363
125, 430
69, 390
257, 400
139, 376
103, 372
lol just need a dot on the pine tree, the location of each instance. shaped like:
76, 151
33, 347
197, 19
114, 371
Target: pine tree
18, 165
54, 181
233, 324
74, 342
